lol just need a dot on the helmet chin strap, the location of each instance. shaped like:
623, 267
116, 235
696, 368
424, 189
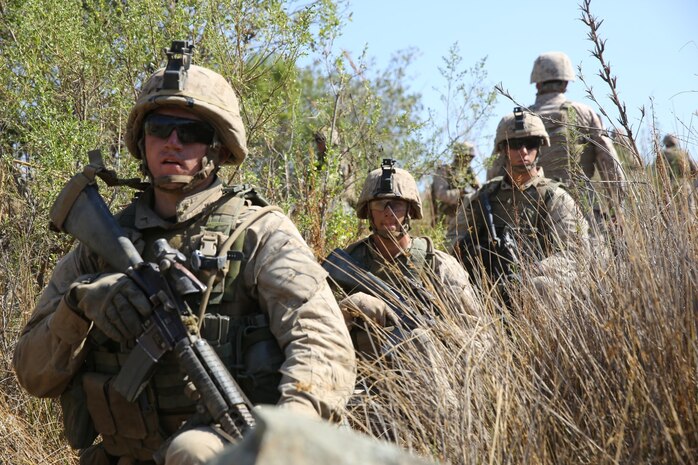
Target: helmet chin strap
396, 235
183, 183
522, 169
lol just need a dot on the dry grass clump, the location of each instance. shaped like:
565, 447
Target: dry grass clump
603, 371
30, 429
30, 433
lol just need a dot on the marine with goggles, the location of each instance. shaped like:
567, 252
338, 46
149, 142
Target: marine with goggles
410, 264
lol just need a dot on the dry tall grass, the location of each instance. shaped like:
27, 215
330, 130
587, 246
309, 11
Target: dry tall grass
607, 375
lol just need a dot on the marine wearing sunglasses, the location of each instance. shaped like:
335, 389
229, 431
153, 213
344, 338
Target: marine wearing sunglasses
521, 156
529, 142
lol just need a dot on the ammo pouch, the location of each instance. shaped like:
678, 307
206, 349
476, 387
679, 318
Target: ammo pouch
78, 427
250, 352
127, 428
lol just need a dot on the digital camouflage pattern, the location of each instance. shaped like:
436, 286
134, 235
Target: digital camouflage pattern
280, 281
578, 147
507, 129
678, 161
286, 439
206, 94
552, 66
451, 183
404, 187
548, 226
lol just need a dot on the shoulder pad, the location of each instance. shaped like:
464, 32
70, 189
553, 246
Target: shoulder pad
247, 192
353, 246
490, 186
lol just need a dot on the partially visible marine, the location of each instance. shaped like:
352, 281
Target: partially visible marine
284, 438
451, 184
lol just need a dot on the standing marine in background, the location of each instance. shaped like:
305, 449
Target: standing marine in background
679, 164
579, 145
451, 184
681, 170
270, 314
389, 200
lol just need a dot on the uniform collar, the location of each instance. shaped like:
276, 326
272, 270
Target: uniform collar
550, 98
533, 182
373, 250
188, 208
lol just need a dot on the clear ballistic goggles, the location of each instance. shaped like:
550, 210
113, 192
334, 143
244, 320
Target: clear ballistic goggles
399, 207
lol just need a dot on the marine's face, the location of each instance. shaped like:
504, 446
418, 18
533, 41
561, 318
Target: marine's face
176, 140
388, 214
522, 153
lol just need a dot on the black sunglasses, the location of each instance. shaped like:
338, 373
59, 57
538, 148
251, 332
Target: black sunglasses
189, 131
529, 142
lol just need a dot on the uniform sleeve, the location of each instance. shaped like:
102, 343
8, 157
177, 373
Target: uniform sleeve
568, 235
51, 348
319, 371
441, 191
456, 283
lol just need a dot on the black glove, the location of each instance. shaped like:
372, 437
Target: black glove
114, 302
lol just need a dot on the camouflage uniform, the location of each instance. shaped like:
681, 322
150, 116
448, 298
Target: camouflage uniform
449, 186
541, 212
418, 262
679, 164
271, 316
681, 171
548, 229
415, 264
578, 142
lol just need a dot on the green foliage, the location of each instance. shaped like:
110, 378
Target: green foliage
71, 72
467, 105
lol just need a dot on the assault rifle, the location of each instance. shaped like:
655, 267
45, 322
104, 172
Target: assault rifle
499, 256
352, 278
81, 212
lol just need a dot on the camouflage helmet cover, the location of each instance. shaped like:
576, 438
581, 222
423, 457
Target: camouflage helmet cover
670, 140
532, 127
404, 187
206, 94
463, 150
552, 66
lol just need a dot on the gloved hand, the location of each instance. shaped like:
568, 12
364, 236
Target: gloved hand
364, 306
115, 304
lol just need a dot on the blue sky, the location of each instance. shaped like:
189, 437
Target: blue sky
652, 47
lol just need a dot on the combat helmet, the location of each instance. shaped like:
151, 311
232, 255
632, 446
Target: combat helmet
198, 90
463, 151
389, 182
520, 124
670, 140
552, 66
